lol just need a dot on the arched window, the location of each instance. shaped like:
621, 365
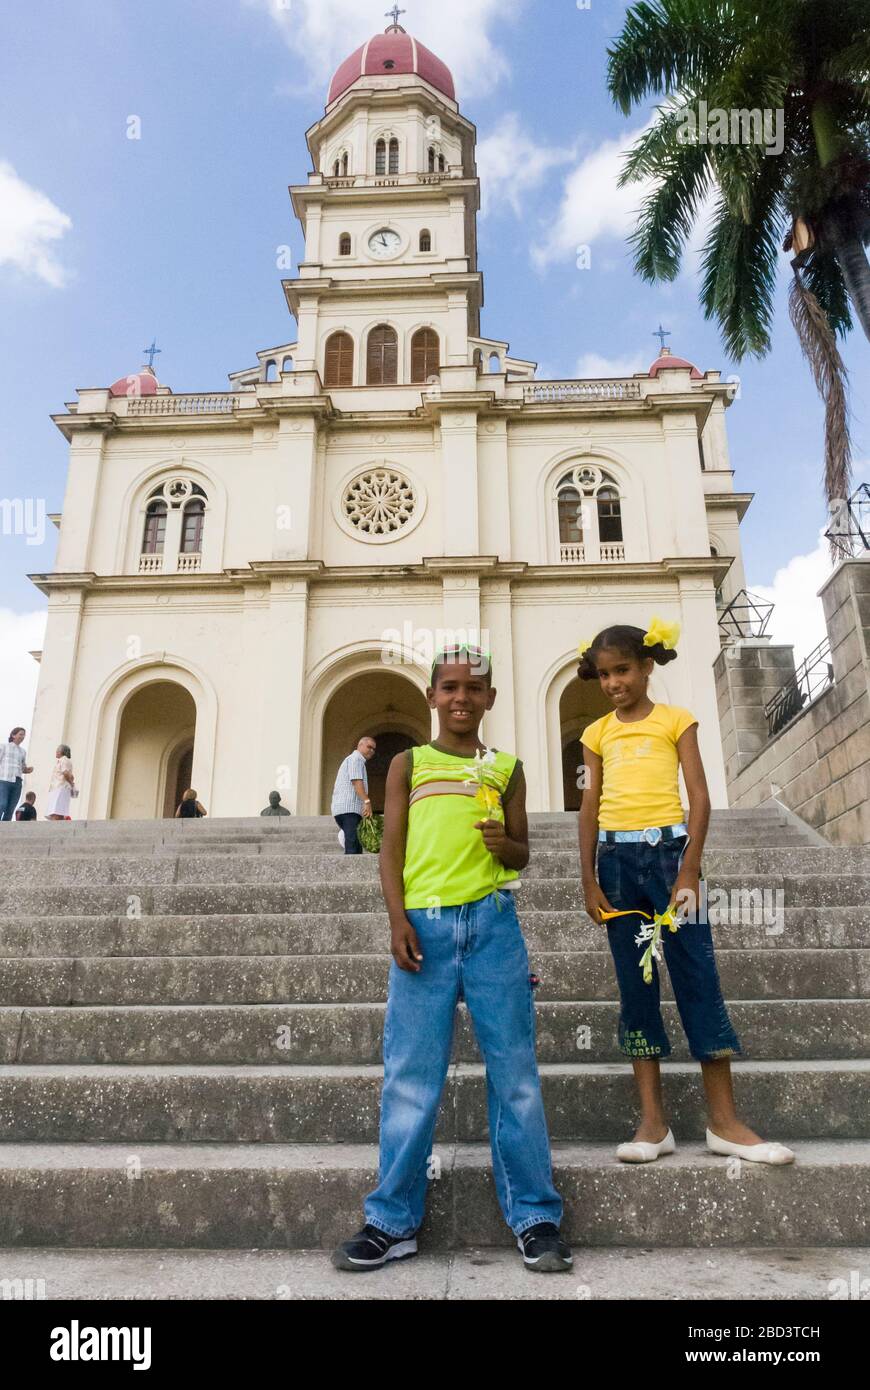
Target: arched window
345, 163
382, 365
442, 165
271, 372
589, 516
381, 157
570, 516
394, 156
344, 244
339, 360
287, 364
425, 241
494, 362
609, 516
477, 359
155, 528
425, 354
192, 527
335, 169
431, 159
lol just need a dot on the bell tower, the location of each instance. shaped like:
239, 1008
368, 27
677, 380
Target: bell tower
388, 288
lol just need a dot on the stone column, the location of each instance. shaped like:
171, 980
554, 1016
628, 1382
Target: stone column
294, 483
80, 503
51, 718
460, 492
748, 673
284, 662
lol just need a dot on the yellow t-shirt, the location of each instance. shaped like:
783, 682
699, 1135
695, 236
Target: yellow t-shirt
640, 784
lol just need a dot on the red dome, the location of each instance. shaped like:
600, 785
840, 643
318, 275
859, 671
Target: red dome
668, 359
392, 52
141, 383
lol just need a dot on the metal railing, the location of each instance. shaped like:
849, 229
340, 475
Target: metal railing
556, 391
811, 678
200, 403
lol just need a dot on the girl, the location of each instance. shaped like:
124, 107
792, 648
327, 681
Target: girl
189, 806
648, 861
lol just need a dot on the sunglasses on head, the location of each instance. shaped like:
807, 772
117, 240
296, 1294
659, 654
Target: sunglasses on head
477, 656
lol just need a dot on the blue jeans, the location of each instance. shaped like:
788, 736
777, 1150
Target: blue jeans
474, 951
348, 822
10, 793
640, 875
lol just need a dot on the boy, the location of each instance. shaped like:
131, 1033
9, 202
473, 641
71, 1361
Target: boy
454, 931
27, 809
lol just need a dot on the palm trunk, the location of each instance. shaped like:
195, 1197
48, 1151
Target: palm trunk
847, 246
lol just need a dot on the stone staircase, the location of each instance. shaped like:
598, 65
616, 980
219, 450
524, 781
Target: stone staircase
190, 1025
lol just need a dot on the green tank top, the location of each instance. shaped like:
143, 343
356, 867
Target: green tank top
446, 860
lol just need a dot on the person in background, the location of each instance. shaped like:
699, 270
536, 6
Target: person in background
275, 808
60, 788
27, 809
350, 795
190, 807
13, 766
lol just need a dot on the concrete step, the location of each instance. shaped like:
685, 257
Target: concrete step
340, 1104
550, 895
326, 1034
314, 979
481, 1274
297, 1197
360, 933
106, 869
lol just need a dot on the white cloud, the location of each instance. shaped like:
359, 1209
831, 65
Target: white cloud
20, 634
592, 364
592, 205
798, 617
322, 33
30, 224
511, 162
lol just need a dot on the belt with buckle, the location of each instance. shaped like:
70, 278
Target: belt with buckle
652, 835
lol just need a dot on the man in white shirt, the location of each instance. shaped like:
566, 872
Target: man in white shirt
350, 795
13, 766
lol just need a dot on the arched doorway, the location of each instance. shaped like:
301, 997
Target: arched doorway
383, 704
155, 740
581, 702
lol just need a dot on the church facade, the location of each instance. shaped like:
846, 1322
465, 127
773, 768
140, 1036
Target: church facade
248, 581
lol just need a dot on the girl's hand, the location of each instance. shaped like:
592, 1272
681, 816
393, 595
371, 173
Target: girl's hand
596, 902
405, 947
494, 835
686, 895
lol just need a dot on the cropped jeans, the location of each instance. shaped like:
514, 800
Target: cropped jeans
639, 875
474, 951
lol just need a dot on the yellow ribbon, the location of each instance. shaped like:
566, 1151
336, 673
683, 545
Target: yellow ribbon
660, 631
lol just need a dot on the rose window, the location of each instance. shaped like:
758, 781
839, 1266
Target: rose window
379, 502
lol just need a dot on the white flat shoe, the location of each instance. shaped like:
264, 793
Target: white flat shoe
640, 1151
754, 1153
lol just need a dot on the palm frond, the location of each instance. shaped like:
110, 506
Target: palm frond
667, 215
666, 45
739, 274
819, 347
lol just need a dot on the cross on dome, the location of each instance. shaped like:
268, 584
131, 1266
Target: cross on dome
151, 352
395, 12
661, 334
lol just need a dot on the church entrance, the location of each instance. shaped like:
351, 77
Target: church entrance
383, 704
155, 752
581, 703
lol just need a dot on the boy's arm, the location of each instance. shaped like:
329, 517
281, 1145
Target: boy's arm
403, 938
514, 849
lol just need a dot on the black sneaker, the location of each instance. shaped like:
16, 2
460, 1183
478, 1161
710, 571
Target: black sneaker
370, 1248
543, 1251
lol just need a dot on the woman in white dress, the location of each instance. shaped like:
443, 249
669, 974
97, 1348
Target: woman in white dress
61, 785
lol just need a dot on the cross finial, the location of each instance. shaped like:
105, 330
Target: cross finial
395, 12
151, 352
661, 334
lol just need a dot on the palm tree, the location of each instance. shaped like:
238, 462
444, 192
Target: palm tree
806, 62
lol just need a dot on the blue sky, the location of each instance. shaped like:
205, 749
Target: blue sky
109, 241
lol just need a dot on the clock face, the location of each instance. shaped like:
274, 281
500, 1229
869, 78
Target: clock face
384, 243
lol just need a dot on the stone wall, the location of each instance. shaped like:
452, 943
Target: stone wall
819, 765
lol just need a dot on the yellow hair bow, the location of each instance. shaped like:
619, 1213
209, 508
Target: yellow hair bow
584, 647
659, 631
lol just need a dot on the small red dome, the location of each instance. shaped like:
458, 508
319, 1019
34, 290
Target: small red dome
141, 383
393, 52
667, 359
